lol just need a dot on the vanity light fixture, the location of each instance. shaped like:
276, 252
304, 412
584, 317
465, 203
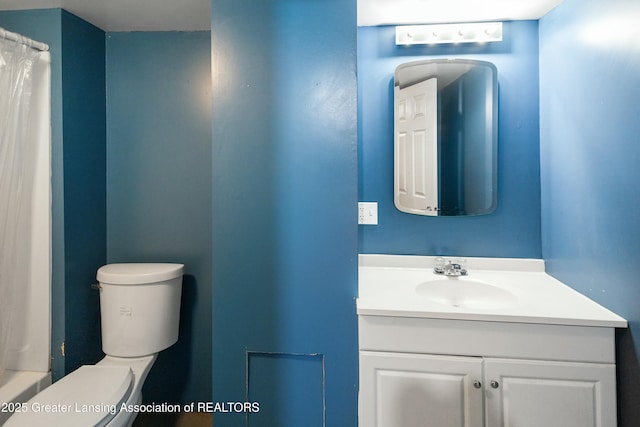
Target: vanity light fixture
480, 32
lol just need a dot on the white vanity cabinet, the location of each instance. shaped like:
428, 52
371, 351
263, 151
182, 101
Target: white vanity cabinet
532, 393
450, 373
506, 345
401, 390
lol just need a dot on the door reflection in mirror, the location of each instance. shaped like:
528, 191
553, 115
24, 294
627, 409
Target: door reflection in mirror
445, 137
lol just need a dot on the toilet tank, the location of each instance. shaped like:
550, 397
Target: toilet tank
139, 307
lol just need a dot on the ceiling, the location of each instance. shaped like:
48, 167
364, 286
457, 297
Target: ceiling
194, 15
129, 15
380, 12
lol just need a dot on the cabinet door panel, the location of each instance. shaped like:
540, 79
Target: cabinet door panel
551, 394
411, 390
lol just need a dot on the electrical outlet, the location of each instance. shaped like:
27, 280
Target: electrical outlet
368, 213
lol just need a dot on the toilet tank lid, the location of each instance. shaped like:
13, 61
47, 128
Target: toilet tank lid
138, 273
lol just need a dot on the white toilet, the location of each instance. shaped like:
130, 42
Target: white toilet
140, 313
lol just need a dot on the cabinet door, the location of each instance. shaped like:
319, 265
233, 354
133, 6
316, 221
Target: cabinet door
531, 393
411, 390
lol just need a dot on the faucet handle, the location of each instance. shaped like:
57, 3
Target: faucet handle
457, 270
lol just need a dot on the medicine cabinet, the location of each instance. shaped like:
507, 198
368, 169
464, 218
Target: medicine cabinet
445, 137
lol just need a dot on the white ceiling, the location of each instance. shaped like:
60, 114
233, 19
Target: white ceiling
380, 12
194, 15
129, 15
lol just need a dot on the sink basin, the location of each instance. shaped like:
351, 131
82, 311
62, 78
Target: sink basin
464, 293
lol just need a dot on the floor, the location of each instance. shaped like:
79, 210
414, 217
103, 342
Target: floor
197, 419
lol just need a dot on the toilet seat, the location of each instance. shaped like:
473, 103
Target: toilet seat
89, 396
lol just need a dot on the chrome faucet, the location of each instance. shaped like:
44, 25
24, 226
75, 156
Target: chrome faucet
449, 268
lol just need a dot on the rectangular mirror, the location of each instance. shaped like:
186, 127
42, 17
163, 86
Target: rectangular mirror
445, 137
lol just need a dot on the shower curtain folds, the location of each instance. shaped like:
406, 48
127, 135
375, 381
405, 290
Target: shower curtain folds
17, 167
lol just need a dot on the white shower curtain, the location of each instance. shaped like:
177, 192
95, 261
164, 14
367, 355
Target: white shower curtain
16, 177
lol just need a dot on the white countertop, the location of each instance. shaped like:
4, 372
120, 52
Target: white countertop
387, 287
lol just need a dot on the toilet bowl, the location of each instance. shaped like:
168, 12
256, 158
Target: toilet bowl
139, 309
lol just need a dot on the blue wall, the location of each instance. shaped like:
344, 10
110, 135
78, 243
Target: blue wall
83, 58
513, 230
78, 177
284, 210
159, 185
590, 122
